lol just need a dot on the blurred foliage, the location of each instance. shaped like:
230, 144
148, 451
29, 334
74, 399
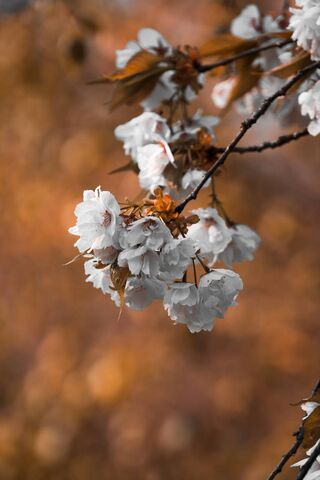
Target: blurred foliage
82, 395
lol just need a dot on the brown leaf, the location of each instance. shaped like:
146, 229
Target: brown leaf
139, 63
245, 80
226, 44
119, 276
283, 34
134, 92
292, 67
311, 428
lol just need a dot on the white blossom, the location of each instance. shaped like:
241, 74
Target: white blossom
247, 24
310, 105
148, 231
97, 220
219, 290
107, 255
222, 91
140, 292
175, 257
152, 159
100, 278
305, 24
192, 178
314, 471
146, 128
152, 41
211, 234
140, 260
197, 307
148, 39
182, 302
141, 244
250, 24
309, 407
244, 242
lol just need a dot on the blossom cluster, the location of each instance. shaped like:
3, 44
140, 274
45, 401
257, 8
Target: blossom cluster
136, 258
305, 24
150, 142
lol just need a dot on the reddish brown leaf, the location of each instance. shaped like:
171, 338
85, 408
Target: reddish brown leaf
292, 67
135, 92
226, 44
140, 62
246, 78
311, 428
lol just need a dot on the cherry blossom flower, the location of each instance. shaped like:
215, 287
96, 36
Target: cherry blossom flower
182, 302
97, 220
141, 243
138, 293
197, 307
152, 159
142, 130
175, 258
309, 407
192, 178
149, 231
250, 24
244, 242
211, 234
195, 123
148, 39
152, 41
222, 91
310, 105
141, 292
219, 290
305, 24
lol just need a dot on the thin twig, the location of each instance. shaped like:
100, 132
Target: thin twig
245, 126
246, 53
286, 457
306, 467
282, 140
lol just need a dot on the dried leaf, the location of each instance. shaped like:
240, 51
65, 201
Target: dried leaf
226, 44
292, 67
311, 428
133, 93
245, 80
119, 276
284, 34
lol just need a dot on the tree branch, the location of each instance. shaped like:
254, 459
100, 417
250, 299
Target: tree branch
293, 450
282, 140
246, 53
306, 467
286, 457
245, 126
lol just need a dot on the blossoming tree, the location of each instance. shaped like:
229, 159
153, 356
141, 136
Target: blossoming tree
155, 247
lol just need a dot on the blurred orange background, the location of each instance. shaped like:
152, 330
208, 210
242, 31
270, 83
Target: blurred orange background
83, 395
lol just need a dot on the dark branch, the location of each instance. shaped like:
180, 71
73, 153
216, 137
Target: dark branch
293, 450
283, 140
286, 457
245, 126
246, 53
306, 467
